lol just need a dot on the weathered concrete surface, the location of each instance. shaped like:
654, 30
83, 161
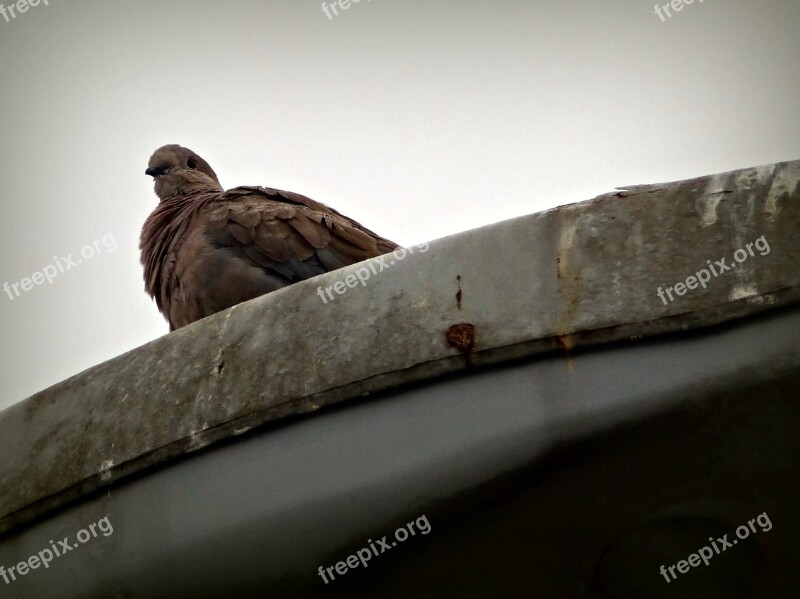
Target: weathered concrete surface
580, 274
547, 478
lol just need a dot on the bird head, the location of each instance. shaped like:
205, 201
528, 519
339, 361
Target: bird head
178, 171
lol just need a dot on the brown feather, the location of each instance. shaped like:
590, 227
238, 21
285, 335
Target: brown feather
204, 249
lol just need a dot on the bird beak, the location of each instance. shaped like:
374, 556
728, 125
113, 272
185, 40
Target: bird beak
155, 171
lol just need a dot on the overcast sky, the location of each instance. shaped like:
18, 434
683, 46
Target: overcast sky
420, 119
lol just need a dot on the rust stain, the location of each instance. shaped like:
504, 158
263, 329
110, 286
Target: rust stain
458, 293
462, 337
565, 343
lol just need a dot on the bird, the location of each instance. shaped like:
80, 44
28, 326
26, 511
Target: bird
205, 249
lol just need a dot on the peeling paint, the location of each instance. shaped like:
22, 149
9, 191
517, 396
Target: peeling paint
782, 185
422, 302
568, 233
566, 243
195, 442
742, 291
707, 203
762, 300
105, 470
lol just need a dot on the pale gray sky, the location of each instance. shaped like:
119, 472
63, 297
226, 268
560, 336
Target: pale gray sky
418, 118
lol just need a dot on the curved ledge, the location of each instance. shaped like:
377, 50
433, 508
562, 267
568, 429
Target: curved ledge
578, 275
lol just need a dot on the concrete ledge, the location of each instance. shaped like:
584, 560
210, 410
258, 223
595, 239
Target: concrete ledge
577, 275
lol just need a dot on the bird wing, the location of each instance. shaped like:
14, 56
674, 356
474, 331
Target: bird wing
288, 235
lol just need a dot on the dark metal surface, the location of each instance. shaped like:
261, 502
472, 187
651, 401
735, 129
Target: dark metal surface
556, 477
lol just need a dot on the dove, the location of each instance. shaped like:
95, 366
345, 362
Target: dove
205, 249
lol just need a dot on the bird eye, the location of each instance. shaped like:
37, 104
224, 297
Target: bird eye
191, 163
